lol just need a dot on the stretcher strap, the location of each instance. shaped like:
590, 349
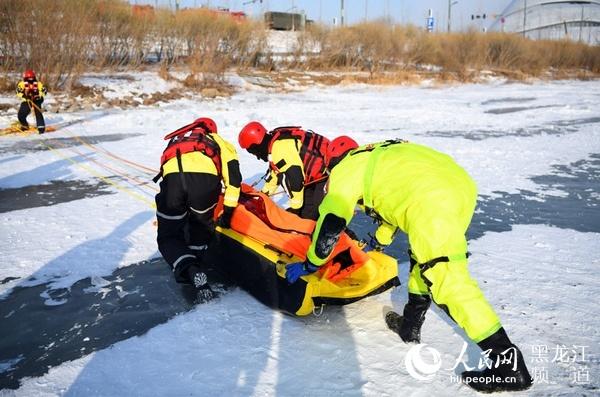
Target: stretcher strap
430, 264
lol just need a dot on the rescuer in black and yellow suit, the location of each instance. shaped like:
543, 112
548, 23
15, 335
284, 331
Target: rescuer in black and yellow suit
428, 196
296, 162
193, 166
31, 92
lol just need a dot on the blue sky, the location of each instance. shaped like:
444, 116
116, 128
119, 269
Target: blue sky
400, 11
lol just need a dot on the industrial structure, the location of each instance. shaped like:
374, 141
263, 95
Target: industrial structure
552, 20
285, 21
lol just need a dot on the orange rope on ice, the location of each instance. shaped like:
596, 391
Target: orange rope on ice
106, 152
128, 178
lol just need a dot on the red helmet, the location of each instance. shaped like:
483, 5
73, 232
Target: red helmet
209, 125
338, 147
252, 134
29, 75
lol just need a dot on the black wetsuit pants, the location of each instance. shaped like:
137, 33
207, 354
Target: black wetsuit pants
185, 207
24, 111
313, 195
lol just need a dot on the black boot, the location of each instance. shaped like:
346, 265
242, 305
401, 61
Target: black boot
507, 371
408, 326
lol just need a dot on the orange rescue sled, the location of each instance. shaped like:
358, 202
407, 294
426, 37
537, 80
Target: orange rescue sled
264, 238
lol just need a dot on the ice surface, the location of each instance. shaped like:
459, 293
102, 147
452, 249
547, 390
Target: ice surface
533, 150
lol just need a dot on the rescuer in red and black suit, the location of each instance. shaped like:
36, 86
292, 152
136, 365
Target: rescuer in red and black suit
31, 92
194, 166
296, 162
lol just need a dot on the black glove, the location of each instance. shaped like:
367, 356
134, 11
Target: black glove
295, 211
374, 245
199, 280
197, 277
352, 234
224, 220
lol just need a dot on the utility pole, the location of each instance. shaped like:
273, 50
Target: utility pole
320, 10
581, 24
387, 11
450, 4
293, 17
524, 17
341, 12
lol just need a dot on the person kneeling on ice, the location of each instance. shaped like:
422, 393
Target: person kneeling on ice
428, 196
296, 162
31, 92
193, 165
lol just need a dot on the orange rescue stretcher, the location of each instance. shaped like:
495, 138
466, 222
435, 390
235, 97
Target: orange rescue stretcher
264, 238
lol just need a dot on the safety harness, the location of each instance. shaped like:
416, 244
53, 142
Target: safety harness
190, 138
312, 151
423, 267
31, 90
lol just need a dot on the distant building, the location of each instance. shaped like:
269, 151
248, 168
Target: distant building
238, 16
552, 19
285, 21
147, 11
142, 11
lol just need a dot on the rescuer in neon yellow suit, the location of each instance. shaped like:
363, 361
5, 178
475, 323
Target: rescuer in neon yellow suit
429, 197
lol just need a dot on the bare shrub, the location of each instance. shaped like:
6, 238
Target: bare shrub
377, 47
505, 51
459, 52
7, 85
366, 46
591, 59
421, 48
166, 33
54, 45
68, 37
163, 72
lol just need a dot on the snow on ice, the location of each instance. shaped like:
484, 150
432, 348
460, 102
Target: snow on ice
534, 150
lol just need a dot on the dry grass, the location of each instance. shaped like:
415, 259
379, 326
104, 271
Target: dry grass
7, 84
70, 37
378, 47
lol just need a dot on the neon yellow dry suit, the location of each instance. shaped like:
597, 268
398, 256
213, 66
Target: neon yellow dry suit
428, 196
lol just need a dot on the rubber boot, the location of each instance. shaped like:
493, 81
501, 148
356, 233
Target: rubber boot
408, 326
413, 317
507, 370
